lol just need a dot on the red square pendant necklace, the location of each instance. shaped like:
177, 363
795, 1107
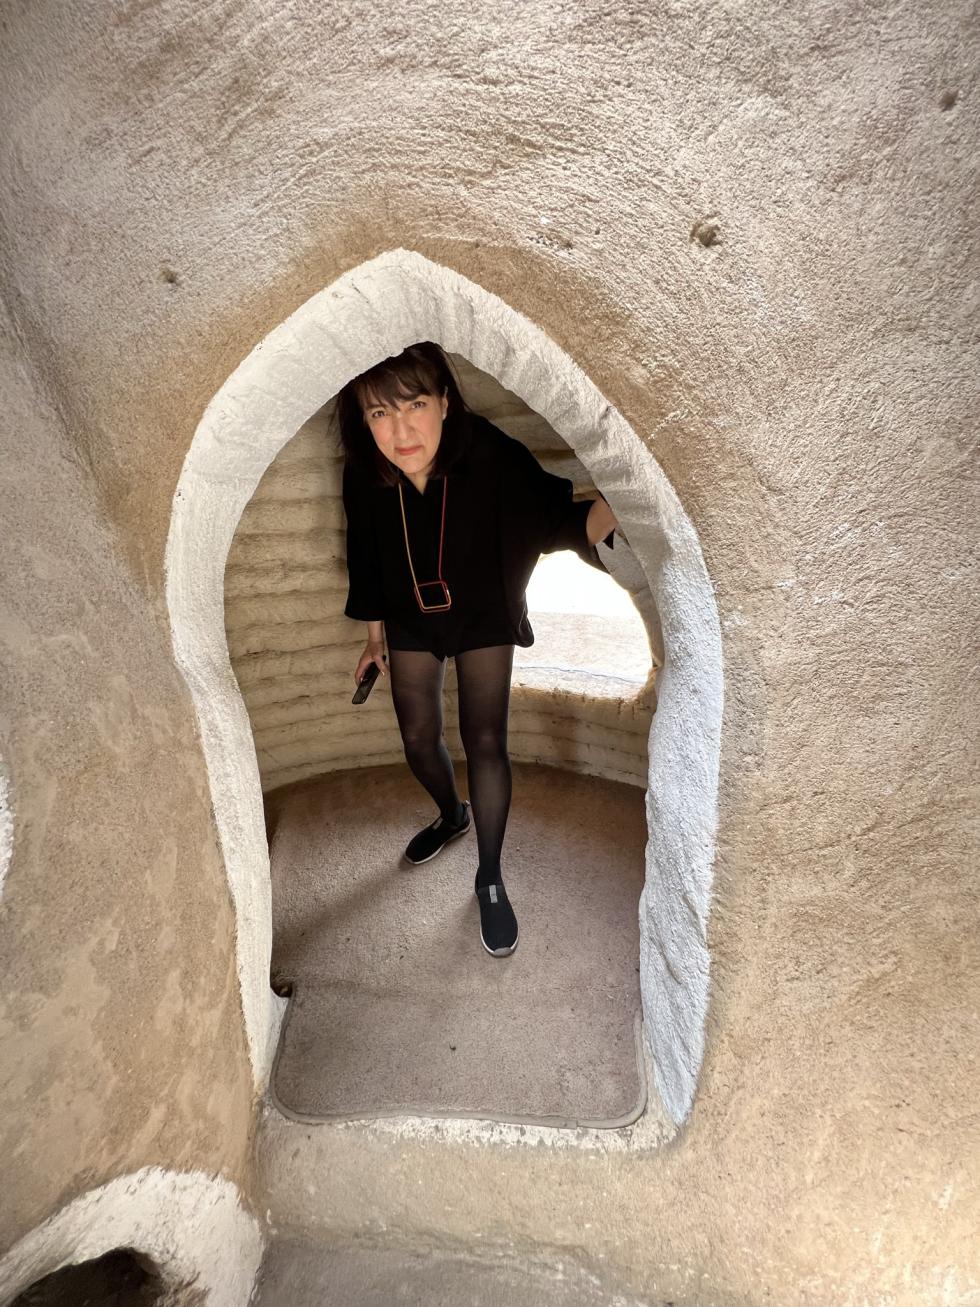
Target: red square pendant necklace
438, 588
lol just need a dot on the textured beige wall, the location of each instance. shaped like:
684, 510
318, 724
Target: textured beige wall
177, 181
121, 1043
293, 650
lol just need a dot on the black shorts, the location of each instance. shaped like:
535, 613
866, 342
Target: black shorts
451, 640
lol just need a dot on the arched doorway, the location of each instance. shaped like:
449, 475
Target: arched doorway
368, 314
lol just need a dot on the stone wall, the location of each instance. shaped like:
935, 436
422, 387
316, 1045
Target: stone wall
121, 1038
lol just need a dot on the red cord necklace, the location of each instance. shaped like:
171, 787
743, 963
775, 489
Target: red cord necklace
440, 583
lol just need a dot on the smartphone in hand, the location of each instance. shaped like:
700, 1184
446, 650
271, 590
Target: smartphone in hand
371, 673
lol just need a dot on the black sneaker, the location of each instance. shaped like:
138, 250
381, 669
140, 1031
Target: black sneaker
427, 843
498, 924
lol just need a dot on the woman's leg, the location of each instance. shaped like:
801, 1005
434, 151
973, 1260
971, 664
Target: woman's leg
483, 676
416, 691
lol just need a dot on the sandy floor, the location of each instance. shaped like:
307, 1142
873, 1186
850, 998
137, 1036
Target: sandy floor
397, 1006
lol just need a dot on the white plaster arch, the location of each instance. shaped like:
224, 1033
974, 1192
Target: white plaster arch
368, 314
191, 1226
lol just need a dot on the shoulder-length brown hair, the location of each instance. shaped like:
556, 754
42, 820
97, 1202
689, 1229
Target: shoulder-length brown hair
421, 369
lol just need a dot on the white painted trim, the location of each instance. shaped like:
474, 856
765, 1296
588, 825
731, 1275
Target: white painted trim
368, 314
191, 1226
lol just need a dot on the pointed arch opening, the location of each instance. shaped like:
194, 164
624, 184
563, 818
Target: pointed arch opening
368, 314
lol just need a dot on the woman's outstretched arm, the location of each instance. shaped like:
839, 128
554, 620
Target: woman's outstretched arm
547, 513
600, 521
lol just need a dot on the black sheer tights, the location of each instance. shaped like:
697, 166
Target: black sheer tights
483, 677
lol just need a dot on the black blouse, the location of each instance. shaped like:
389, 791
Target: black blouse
503, 510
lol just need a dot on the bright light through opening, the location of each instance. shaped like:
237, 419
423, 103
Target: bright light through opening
583, 621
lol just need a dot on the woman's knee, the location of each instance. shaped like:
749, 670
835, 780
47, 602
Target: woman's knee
421, 741
485, 744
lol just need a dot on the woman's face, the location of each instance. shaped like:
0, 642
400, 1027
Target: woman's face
408, 433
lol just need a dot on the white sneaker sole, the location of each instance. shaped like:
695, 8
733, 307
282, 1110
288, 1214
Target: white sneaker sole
500, 952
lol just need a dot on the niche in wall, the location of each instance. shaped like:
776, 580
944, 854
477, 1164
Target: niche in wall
118, 1279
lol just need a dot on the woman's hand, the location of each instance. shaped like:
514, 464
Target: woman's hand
599, 522
374, 652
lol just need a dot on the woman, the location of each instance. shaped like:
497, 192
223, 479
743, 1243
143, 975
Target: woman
446, 519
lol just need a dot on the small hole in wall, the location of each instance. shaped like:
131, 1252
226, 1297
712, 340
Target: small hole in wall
707, 231
947, 100
117, 1279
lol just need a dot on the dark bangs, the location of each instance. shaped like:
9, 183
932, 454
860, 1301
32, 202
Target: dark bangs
421, 369
386, 383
